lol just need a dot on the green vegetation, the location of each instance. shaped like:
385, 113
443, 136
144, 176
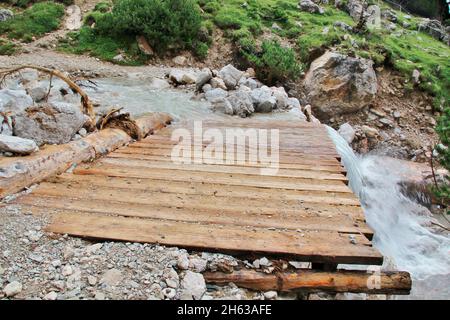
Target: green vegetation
443, 129
27, 3
168, 26
35, 21
274, 62
7, 48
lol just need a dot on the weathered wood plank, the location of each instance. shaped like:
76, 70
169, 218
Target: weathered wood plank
314, 246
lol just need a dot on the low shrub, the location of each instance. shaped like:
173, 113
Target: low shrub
37, 20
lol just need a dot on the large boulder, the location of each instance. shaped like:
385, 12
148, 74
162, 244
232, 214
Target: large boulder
282, 97
435, 29
310, 6
182, 77
202, 78
5, 14
215, 95
230, 76
49, 123
337, 84
263, 99
241, 102
14, 101
354, 9
17, 145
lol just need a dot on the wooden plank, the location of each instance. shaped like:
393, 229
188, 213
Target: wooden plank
199, 168
312, 281
314, 246
213, 189
220, 178
340, 223
194, 201
311, 167
306, 159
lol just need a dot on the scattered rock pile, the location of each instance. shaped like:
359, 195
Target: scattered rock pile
236, 92
31, 116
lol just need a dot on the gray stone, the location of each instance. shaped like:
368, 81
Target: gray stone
293, 103
230, 76
337, 84
347, 132
202, 78
343, 26
157, 83
354, 9
218, 83
197, 264
281, 96
5, 14
38, 92
6, 125
169, 293
241, 102
111, 277
250, 83
263, 99
216, 95
180, 60
73, 17
183, 262
181, 77
389, 15
52, 295
14, 101
270, 295
223, 105
369, 131
435, 29
193, 284
49, 123
310, 6
207, 87
119, 58
13, 288
416, 76
17, 145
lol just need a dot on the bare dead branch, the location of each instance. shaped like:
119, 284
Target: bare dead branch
86, 104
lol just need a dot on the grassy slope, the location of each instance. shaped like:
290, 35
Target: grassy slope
409, 51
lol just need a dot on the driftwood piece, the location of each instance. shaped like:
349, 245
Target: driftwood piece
314, 281
17, 173
85, 102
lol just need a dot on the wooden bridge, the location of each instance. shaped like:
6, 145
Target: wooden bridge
304, 211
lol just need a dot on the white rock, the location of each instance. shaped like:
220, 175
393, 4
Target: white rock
12, 289
230, 76
17, 145
347, 132
111, 277
92, 280
67, 270
52, 295
14, 101
157, 83
99, 296
216, 95
218, 83
183, 262
202, 78
180, 60
197, 264
94, 248
56, 263
169, 293
264, 262
194, 284
281, 96
270, 295
82, 132
207, 87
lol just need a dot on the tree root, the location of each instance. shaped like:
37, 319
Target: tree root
123, 121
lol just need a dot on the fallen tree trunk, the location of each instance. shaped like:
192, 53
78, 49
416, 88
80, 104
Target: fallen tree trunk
16, 173
314, 281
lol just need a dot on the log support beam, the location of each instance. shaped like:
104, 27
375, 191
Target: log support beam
314, 281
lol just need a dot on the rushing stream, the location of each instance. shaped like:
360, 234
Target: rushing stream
401, 225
